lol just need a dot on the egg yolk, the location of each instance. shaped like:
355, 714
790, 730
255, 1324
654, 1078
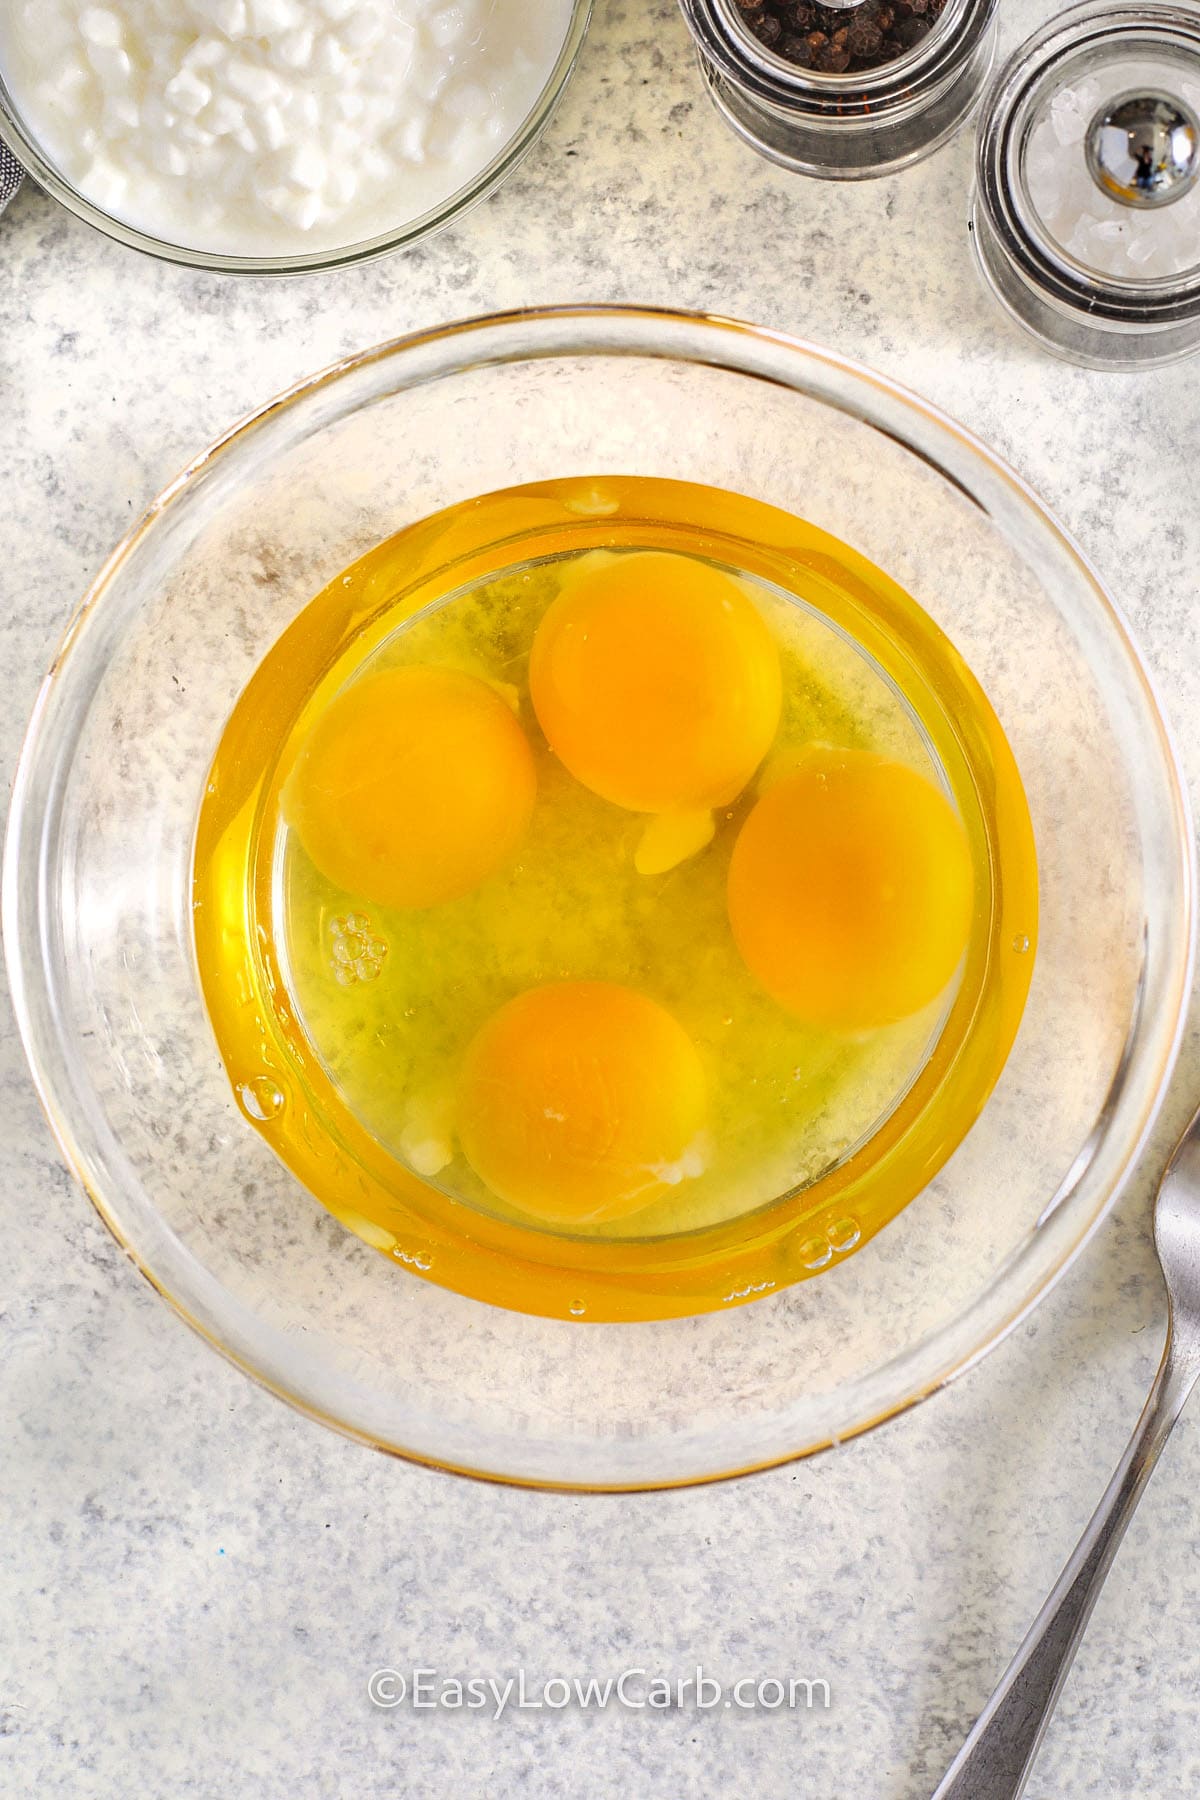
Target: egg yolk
851, 891
656, 682
581, 1101
412, 787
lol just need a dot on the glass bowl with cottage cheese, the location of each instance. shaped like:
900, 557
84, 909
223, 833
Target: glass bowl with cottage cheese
279, 136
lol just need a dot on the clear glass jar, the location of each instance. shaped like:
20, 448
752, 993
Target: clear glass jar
1105, 283
844, 126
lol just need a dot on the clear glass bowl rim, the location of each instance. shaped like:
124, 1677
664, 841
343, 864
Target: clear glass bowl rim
726, 344
437, 218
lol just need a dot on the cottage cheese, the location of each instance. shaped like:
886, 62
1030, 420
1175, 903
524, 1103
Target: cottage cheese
275, 127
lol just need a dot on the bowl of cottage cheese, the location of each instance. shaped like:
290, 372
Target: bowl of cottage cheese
277, 136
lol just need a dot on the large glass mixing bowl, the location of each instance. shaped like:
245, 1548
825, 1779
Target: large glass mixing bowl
97, 896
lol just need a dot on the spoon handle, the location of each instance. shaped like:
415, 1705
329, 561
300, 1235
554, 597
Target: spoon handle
995, 1761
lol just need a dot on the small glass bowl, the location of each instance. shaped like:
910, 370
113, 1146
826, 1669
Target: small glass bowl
844, 127
715, 1252
1033, 267
24, 144
98, 898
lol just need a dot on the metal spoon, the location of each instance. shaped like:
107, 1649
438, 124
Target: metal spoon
995, 1761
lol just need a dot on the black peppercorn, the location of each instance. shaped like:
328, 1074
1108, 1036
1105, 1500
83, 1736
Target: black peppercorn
833, 39
797, 50
864, 40
911, 31
767, 29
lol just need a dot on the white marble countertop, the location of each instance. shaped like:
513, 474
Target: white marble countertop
194, 1582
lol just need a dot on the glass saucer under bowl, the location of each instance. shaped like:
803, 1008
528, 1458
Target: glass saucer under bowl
98, 886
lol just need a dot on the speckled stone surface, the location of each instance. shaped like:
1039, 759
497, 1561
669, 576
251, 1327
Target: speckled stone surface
195, 1584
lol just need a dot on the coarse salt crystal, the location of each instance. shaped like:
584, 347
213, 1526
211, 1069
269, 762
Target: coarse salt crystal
1066, 117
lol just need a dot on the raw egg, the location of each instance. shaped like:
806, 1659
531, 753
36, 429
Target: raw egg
581, 1101
413, 786
851, 891
656, 682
